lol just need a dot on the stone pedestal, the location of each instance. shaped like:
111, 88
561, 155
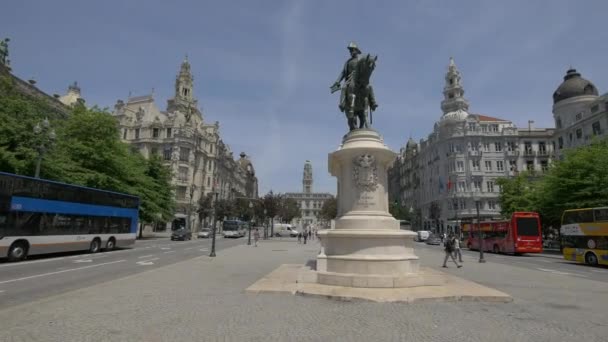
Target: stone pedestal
366, 248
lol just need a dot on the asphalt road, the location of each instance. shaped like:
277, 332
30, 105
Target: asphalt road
543, 262
45, 276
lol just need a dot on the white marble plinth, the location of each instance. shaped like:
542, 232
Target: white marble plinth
366, 248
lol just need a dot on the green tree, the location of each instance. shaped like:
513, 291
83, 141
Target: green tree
205, 207
19, 113
224, 208
399, 212
519, 193
329, 210
579, 180
271, 204
242, 209
289, 209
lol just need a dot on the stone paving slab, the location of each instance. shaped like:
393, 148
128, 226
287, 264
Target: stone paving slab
285, 279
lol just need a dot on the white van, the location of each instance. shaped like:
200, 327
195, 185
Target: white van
285, 229
423, 235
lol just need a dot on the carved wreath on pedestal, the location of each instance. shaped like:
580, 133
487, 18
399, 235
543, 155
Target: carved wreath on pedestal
365, 172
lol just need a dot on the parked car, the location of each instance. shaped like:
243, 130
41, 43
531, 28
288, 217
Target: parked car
433, 240
181, 234
204, 233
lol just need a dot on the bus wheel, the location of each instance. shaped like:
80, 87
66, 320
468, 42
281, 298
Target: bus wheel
110, 244
496, 249
18, 251
95, 245
591, 259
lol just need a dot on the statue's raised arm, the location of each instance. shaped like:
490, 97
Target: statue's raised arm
357, 95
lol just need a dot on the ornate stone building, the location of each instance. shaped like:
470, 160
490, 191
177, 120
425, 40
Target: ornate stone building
310, 203
444, 177
580, 114
199, 160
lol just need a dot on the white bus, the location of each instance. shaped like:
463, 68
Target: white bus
39, 216
234, 228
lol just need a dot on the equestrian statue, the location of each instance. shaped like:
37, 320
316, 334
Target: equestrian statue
357, 99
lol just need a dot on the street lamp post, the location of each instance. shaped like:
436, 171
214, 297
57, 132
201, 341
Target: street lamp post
249, 237
480, 239
47, 136
265, 225
189, 211
212, 254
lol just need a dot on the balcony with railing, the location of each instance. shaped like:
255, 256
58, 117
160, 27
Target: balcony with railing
529, 153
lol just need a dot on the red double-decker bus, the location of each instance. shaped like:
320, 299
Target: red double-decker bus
520, 234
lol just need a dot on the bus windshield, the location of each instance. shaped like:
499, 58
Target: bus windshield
231, 225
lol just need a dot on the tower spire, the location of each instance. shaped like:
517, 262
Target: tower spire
453, 92
184, 89
307, 178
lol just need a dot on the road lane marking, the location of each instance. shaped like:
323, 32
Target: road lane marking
146, 262
82, 260
204, 249
145, 256
165, 248
189, 248
598, 271
167, 252
562, 273
1, 291
58, 272
31, 262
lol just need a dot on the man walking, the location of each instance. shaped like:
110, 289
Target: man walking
256, 236
305, 236
449, 250
457, 249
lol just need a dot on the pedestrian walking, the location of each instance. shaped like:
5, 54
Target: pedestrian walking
310, 234
457, 249
256, 236
299, 237
449, 251
305, 236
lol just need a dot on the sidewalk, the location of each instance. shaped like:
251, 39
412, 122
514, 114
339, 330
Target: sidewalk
204, 299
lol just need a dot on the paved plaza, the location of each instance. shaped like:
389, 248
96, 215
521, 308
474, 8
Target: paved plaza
204, 299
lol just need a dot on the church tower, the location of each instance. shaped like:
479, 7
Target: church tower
307, 179
183, 99
453, 92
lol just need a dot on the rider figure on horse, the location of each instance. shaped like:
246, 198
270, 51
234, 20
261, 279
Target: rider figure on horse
349, 103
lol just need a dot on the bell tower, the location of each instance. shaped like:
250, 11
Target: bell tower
307, 178
184, 89
453, 92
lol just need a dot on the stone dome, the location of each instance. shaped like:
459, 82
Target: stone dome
457, 115
573, 85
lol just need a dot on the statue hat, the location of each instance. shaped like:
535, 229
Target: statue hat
354, 46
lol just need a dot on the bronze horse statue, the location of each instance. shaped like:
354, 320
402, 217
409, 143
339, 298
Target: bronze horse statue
357, 97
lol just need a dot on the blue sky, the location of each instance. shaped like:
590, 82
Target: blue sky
263, 68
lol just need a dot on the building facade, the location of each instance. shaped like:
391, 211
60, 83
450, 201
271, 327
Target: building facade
580, 114
310, 202
199, 160
444, 178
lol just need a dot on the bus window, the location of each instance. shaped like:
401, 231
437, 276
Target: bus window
600, 214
